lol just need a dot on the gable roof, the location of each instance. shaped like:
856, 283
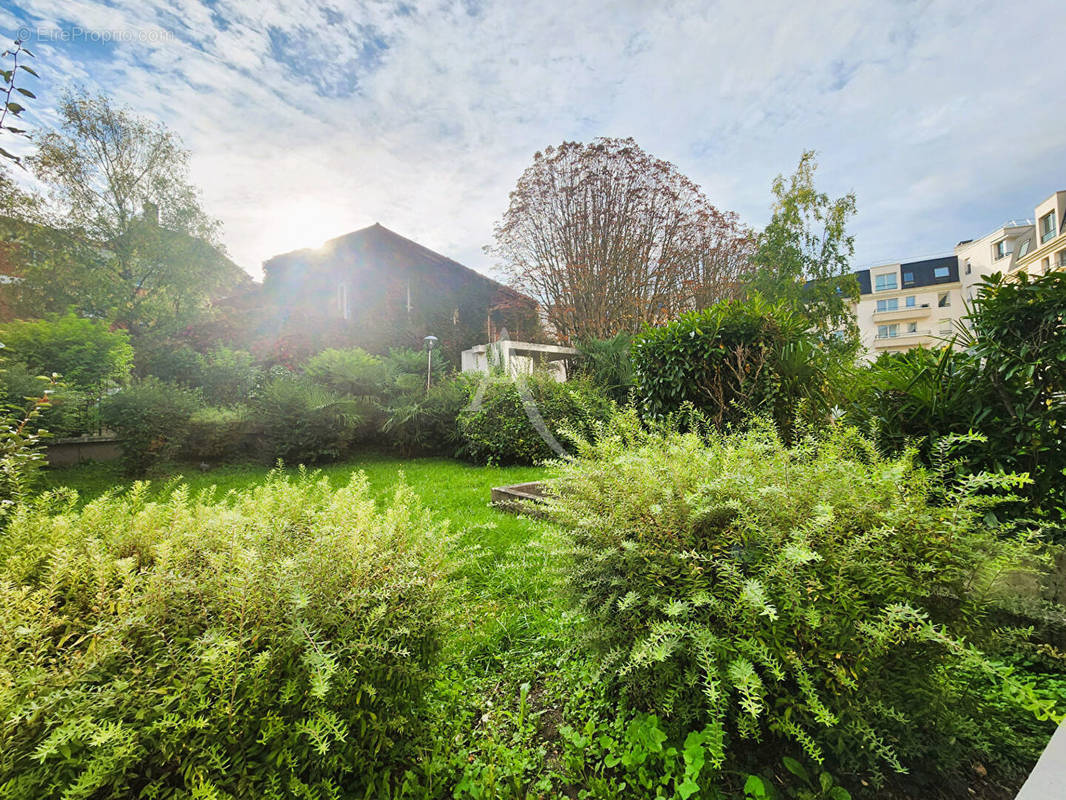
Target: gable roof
378, 243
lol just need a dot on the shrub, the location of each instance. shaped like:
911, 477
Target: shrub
499, 430
151, 418
86, 353
21, 455
407, 370
733, 360
430, 424
275, 643
811, 602
303, 423
68, 411
608, 363
227, 377
352, 371
1007, 385
220, 434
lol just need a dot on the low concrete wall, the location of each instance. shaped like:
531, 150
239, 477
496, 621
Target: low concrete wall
69, 452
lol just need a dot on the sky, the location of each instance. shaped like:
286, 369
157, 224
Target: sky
308, 120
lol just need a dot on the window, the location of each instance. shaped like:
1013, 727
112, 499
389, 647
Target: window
885, 281
969, 268
945, 326
887, 331
911, 300
912, 327
1045, 265
1024, 247
888, 305
1000, 249
1062, 258
943, 300
908, 278
1047, 227
343, 304
941, 272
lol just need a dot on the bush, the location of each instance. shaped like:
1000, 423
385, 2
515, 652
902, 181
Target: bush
86, 353
1007, 385
407, 371
352, 371
608, 363
430, 425
21, 456
272, 644
68, 411
733, 360
813, 602
151, 418
227, 377
303, 423
220, 434
498, 429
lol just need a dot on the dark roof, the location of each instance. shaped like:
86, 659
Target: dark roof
389, 246
923, 273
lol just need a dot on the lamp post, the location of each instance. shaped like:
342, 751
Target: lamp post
429, 342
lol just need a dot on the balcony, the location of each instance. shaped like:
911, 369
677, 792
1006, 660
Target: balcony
903, 313
905, 339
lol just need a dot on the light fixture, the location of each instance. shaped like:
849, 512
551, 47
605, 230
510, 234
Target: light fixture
429, 343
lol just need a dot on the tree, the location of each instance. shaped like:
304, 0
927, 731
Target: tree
803, 257
9, 79
83, 351
117, 186
607, 238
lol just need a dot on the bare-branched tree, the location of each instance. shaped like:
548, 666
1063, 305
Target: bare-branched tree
607, 237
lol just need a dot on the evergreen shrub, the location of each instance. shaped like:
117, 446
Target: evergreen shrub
272, 643
819, 601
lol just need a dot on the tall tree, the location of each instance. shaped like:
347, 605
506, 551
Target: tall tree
804, 254
607, 238
118, 183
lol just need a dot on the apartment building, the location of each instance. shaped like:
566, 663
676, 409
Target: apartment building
1042, 247
921, 303
911, 304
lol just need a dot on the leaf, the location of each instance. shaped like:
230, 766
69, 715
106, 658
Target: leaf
754, 787
25, 92
28, 69
839, 793
688, 788
795, 767
14, 108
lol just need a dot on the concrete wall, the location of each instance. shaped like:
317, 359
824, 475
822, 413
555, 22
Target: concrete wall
70, 452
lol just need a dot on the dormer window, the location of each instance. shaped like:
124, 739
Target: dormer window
1047, 227
885, 282
1000, 249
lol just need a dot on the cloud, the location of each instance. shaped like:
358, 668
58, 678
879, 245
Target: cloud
307, 120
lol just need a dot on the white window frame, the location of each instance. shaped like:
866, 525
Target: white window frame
1047, 231
911, 301
943, 300
890, 331
888, 304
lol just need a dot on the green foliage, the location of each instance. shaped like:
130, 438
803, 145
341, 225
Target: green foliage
352, 371
803, 257
608, 363
733, 360
151, 418
68, 412
818, 599
86, 353
21, 456
216, 434
304, 423
228, 377
1007, 385
274, 643
407, 370
499, 430
430, 424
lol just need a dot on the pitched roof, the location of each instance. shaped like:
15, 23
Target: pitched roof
377, 240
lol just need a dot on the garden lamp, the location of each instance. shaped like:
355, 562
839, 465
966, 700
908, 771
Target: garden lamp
429, 342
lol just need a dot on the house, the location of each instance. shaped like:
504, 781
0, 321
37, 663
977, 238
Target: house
376, 289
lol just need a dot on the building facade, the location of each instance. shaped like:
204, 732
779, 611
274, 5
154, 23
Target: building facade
922, 303
910, 304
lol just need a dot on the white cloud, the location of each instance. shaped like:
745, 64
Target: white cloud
306, 122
